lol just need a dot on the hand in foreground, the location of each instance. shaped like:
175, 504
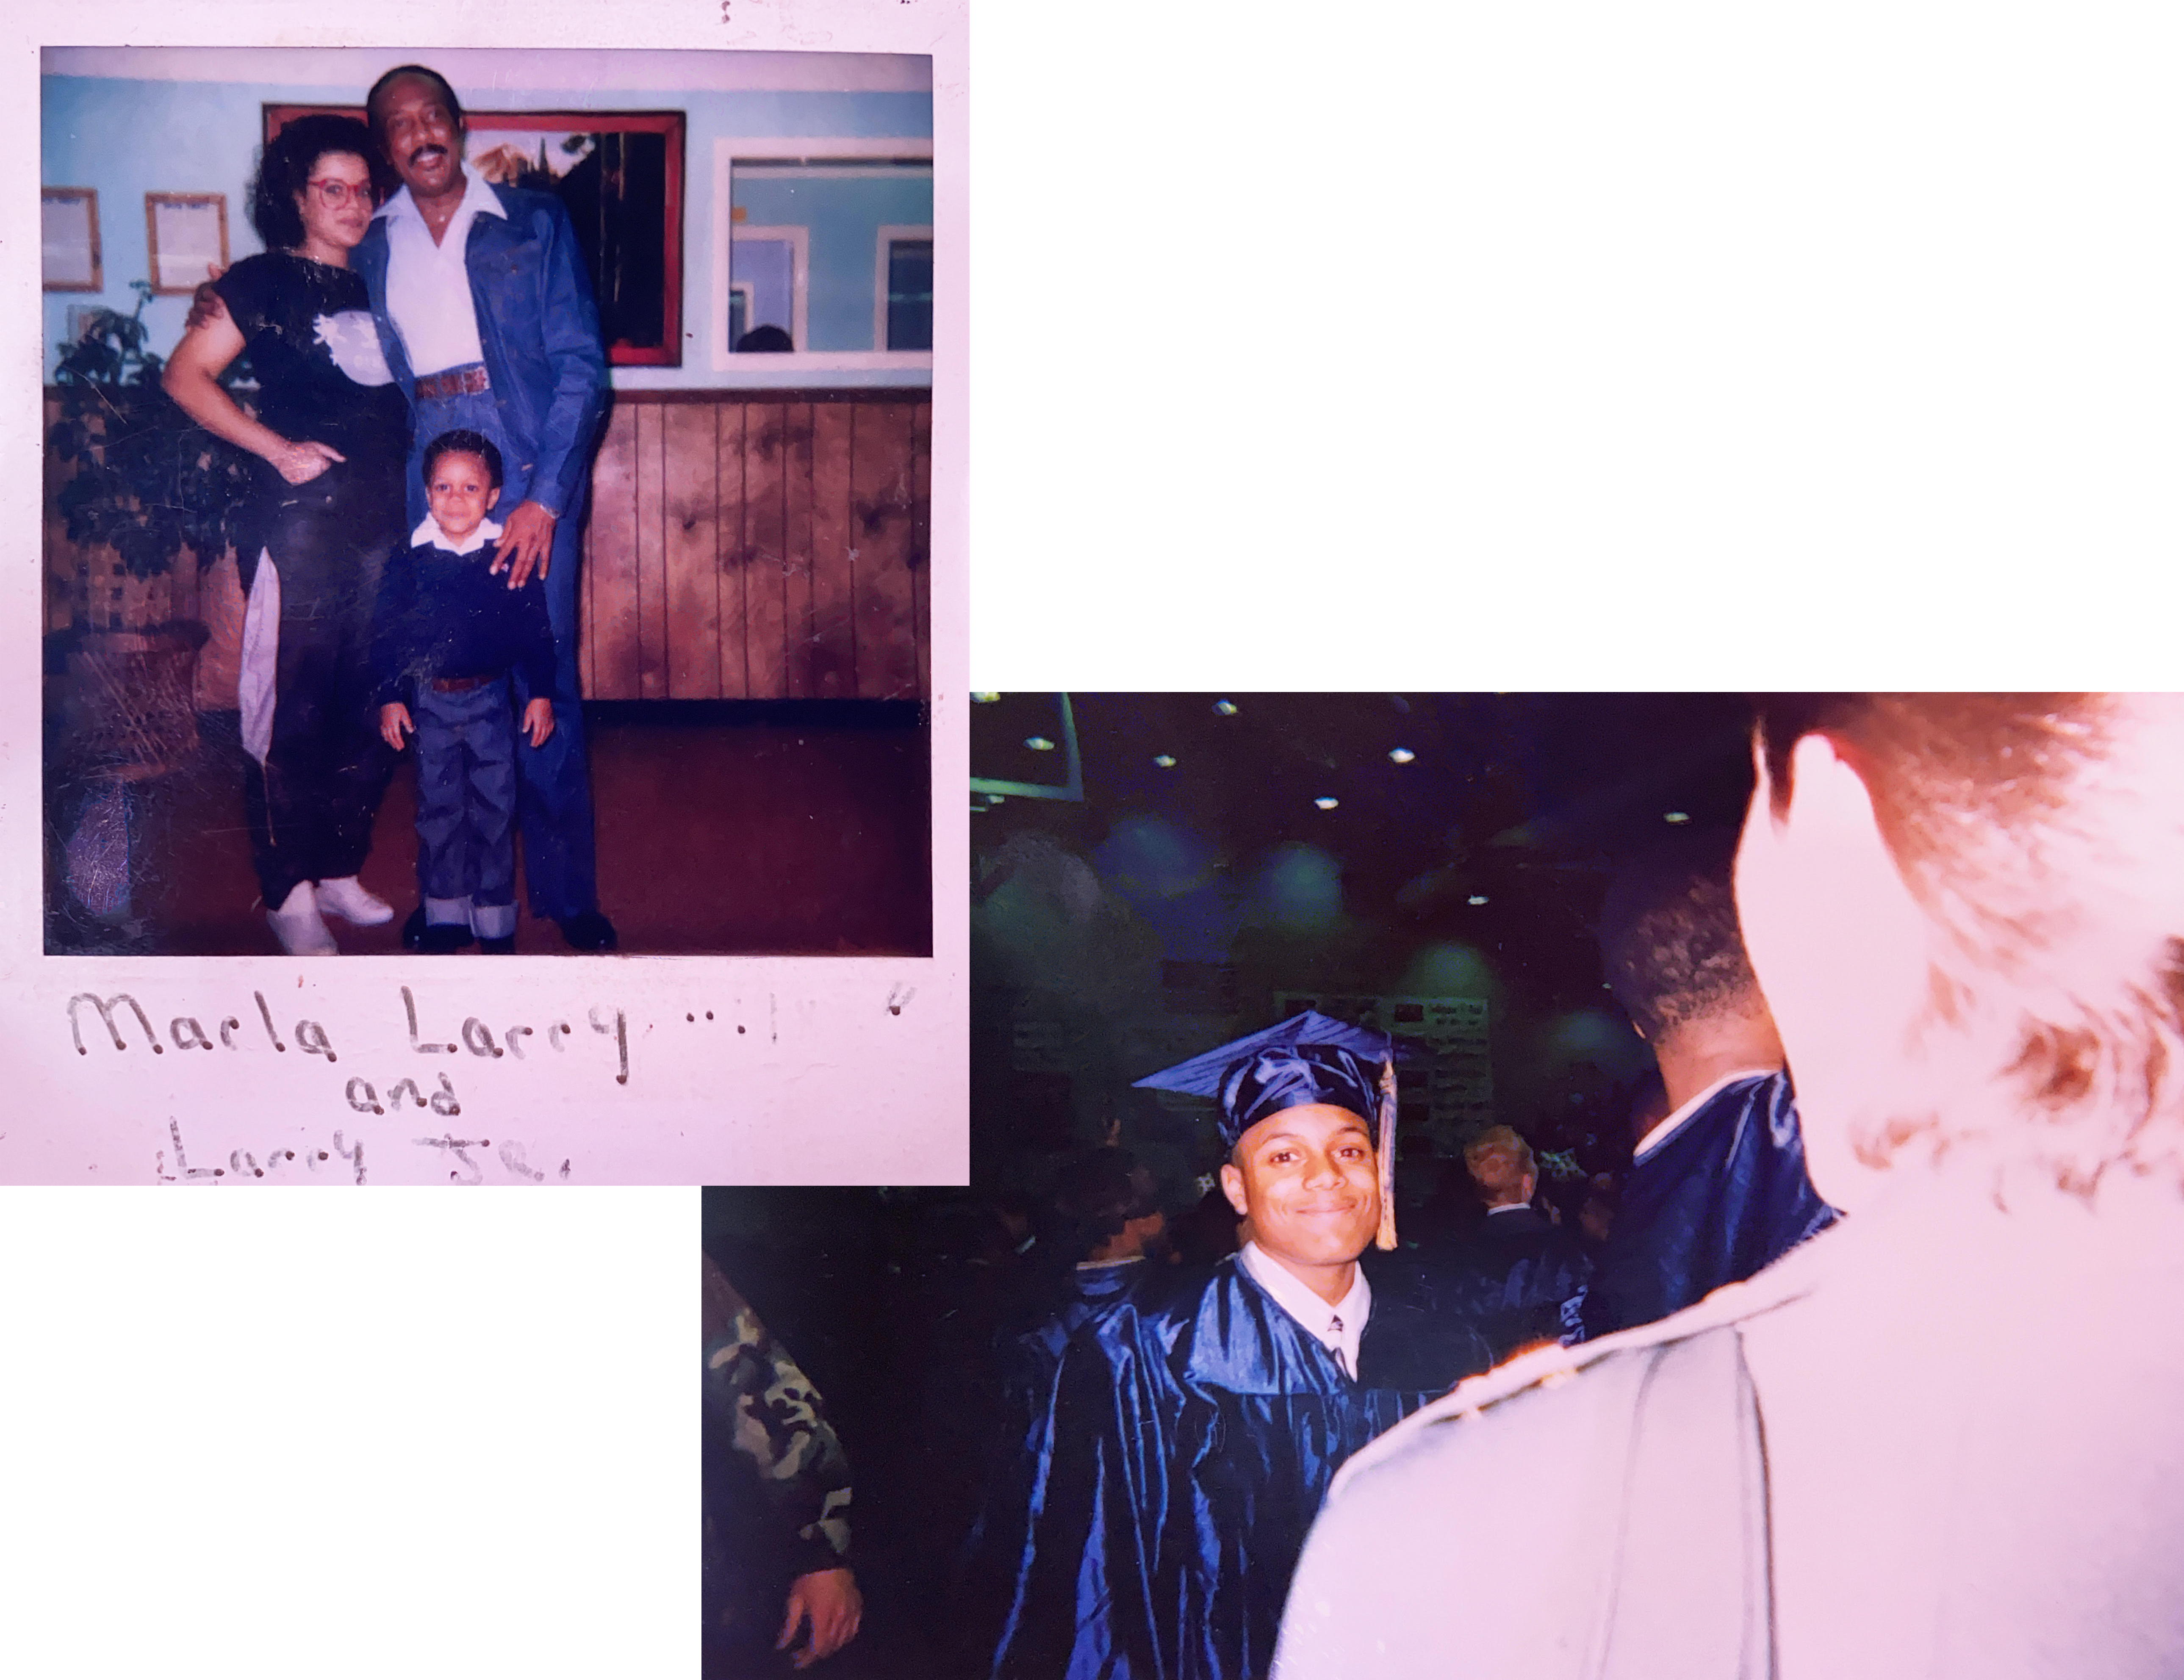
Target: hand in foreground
830, 1598
539, 721
527, 542
393, 720
301, 462
205, 304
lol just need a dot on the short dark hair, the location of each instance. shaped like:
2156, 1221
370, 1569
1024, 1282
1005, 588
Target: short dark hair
462, 441
1100, 1190
1668, 936
447, 93
286, 165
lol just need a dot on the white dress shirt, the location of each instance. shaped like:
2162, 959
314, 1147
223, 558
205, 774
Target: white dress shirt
1339, 1328
428, 288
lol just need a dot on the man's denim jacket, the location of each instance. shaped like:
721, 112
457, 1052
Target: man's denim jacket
540, 332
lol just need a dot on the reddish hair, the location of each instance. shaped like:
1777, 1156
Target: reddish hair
2042, 836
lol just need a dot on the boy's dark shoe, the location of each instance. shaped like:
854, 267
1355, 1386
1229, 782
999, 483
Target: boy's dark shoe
444, 938
502, 947
412, 931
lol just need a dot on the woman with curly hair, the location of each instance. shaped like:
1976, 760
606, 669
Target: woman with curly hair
331, 432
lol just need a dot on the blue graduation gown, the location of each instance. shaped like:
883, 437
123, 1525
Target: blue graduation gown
1195, 1426
1723, 1195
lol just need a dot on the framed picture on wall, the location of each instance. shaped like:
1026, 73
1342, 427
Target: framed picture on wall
620, 175
68, 231
185, 235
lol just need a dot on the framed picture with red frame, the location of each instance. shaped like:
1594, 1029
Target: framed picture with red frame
620, 173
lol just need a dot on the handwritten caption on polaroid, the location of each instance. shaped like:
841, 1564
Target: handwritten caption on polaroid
431, 1088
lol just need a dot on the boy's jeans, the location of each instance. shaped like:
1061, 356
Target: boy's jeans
466, 806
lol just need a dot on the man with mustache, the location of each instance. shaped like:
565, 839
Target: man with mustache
487, 321
1197, 1421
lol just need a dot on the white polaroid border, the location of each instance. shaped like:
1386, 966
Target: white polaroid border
676, 1071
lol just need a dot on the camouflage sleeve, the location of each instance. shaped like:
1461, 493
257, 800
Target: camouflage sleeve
768, 1411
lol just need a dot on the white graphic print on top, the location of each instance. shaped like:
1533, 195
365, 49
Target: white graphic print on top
353, 342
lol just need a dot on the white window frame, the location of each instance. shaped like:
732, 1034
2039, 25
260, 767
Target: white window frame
727, 152
750, 301
888, 236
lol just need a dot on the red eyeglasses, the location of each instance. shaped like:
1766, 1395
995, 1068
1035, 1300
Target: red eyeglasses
336, 193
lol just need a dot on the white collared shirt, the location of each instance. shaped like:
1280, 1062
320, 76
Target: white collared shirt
430, 532
1660, 1132
428, 285
1339, 1328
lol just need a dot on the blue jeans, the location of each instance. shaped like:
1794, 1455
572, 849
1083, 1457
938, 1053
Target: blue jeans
466, 807
560, 868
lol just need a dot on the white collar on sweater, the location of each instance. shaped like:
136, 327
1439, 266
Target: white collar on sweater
430, 532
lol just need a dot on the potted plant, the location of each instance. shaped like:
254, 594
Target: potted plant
135, 485
141, 484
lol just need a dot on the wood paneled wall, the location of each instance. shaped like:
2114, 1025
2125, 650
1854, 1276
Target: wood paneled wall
760, 546
742, 546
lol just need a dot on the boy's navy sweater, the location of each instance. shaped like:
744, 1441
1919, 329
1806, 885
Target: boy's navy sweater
445, 615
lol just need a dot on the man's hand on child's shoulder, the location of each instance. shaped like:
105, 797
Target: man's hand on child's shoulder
393, 720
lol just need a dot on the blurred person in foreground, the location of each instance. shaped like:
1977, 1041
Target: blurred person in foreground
1717, 1187
1197, 1420
1938, 1440
776, 1502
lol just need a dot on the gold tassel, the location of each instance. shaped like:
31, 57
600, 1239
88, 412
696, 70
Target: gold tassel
1386, 1239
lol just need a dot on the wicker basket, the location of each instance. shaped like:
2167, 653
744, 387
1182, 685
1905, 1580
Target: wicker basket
132, 710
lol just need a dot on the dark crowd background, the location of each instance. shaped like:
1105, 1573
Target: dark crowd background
1465, 854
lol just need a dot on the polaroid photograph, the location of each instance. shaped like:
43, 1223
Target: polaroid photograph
653, 705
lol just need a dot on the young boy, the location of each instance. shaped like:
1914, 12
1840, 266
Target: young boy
448, 634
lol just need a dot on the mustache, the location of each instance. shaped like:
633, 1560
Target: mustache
428, 150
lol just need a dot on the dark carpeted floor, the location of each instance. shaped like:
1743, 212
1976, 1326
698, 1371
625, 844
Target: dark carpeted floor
724, 829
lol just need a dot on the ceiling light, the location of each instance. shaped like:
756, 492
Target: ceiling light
1401, 755
1675, 817
1327, 802
1476, 899
1039, 743
1226, 708
1165, 760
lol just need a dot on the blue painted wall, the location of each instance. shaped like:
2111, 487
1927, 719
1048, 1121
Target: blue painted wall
126, 138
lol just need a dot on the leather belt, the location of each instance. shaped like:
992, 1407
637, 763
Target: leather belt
461, 383
459, 685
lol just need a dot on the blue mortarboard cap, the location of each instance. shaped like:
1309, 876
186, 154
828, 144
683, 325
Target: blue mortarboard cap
1310, 1058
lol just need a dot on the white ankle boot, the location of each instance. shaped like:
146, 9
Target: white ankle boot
348, 898
299, 928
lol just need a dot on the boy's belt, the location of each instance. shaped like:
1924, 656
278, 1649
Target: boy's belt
459, 685
461, 381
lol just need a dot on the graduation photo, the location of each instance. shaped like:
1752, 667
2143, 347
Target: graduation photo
1755, 1113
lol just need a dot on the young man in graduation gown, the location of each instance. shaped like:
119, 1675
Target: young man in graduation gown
1718, 1188
1198, 1421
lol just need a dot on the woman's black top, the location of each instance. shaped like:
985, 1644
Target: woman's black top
322, 379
